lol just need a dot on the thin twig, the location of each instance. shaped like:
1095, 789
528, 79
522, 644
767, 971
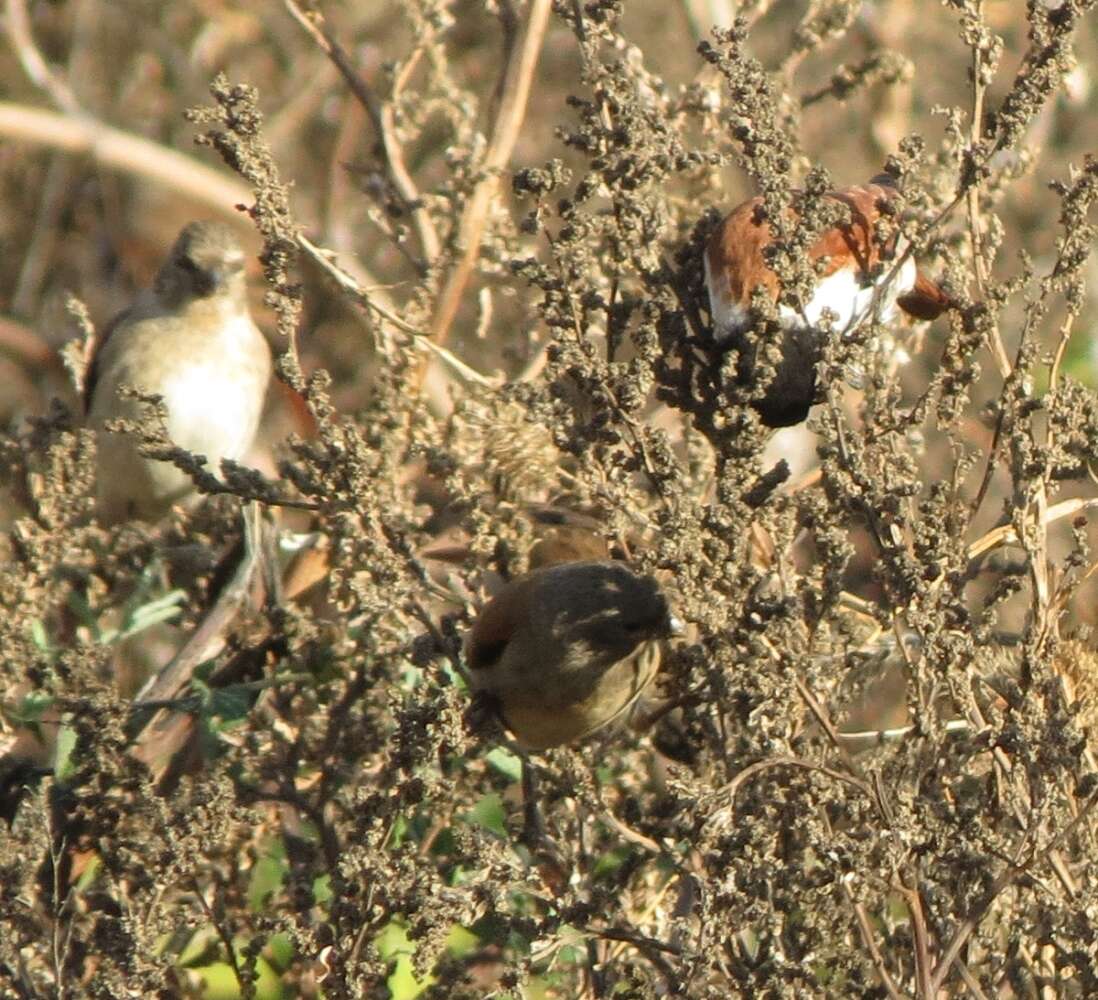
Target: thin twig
970, 981
641, 941
1009, 873
313, 22
419, 339
633, 836
1006, 534
870, 942
209, 638
512, 111
967, 926
222, 933
57, 191
165, 732
26, 345
972, 195
731, 789
923, 968
879, 736
78, 131
60, 954
17, 25
820, 715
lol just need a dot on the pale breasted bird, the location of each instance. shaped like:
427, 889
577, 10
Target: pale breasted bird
191, 340
858, 280
567, 649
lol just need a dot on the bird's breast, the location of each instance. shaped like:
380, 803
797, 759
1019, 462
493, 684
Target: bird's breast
214, 394
560, 708
212, 411
847, 293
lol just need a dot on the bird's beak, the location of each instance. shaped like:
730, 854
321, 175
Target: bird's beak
675, 625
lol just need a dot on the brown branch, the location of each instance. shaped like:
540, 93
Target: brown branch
223, 934
923, 962
967, 926
24, 344
512, 111
1006, 534
972, 197
969, 980
77, 131
1007, 876
113, 149
168, 731
641, 941
870, 942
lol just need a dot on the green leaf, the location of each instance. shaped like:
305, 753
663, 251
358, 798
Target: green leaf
280, 951
268, 982
490, 814
267, 875
322, 890
219, 982
200, 948
32, 708
392, 940
461, 941
398, 831
161, 609
78, 604
230, 704
507, 763
64, 767
610, 862
89, 874
40, 638
393, 945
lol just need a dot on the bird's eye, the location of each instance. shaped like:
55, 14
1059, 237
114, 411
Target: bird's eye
187, 264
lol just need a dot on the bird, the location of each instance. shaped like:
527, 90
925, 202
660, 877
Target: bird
565, 543
566, 649
564, 534
191, 340
859, 279
557, 534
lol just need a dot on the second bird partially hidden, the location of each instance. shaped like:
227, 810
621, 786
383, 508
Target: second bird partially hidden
862, 274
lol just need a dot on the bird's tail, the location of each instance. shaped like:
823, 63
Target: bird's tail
926, 300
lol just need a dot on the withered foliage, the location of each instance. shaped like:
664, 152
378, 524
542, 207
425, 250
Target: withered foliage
868, 769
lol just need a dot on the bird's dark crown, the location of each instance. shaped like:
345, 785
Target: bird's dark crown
606, 593
205, 257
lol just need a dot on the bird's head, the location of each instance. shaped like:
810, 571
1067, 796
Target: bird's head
206, 261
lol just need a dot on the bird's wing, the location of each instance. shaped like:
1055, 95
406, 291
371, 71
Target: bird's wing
92, 372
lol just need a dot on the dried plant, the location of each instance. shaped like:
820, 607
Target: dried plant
870, 768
